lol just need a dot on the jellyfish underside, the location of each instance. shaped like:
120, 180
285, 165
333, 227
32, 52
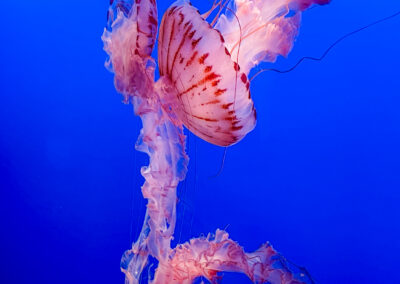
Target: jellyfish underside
204, 86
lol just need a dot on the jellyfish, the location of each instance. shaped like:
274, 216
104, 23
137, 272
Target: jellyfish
204, 66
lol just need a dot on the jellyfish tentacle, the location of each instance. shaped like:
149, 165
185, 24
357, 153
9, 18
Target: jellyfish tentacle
215, 4
222, 6
221, 166
330, 47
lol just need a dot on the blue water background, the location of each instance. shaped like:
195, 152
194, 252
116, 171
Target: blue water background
319, 177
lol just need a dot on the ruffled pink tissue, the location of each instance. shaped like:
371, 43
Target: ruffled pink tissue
129, 45
208, 256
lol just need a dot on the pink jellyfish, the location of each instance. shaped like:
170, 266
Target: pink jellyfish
203, 86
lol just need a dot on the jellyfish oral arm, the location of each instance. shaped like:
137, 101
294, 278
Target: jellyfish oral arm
207, 256
164, 143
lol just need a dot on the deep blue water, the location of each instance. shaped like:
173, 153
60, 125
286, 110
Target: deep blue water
319, 177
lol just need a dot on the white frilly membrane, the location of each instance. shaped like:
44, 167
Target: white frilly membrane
267, 29
260, 30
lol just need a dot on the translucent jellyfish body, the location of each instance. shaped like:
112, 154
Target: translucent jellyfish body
204, 86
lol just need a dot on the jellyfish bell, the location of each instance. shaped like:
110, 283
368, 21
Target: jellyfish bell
212, 97
129, 43
208, 66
